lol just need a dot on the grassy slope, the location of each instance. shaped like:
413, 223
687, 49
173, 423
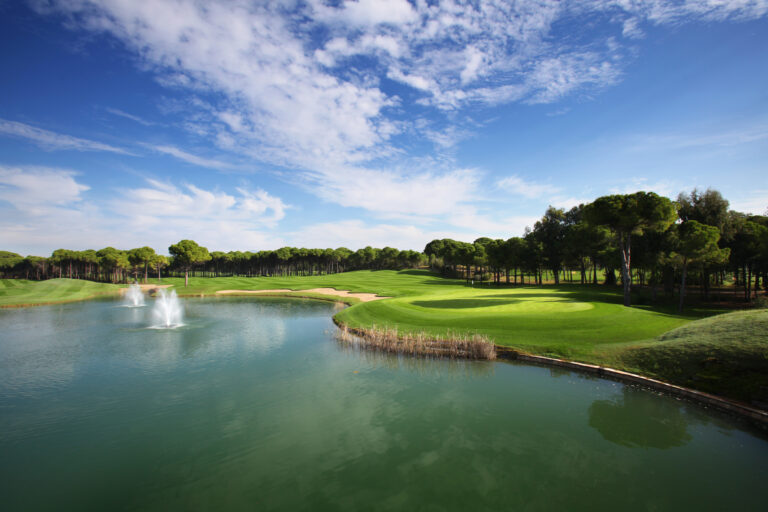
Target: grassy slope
726, 354
18, 292
583, 323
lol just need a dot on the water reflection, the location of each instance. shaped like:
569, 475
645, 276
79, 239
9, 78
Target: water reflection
641, 419
423, 366
250, 406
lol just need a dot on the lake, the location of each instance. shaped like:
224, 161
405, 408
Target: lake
253, 405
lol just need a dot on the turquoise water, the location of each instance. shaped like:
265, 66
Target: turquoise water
252, 405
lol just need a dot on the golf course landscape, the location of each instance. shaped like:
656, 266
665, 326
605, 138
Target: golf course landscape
723, 354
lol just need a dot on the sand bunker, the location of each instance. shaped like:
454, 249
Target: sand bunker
363, 297
147, 287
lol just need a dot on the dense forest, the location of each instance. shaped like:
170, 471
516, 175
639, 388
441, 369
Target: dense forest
648, 239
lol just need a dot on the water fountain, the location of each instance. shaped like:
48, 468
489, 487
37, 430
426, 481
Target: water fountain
167, 312
134, 297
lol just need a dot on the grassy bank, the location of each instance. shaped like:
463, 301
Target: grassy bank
726, 354
721, 355
18, 292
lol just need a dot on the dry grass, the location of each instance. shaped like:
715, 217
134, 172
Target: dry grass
388, 339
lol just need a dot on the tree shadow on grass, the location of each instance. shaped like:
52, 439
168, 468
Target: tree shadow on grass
562, 297
464, 303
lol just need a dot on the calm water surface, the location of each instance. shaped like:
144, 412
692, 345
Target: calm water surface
253, 406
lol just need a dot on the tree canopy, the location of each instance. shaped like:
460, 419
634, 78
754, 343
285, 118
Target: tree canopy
627, 215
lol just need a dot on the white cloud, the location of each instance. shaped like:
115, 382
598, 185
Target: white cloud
631, 29
495, 225
293, 91
567, 203
39, 189
159, 204
368, 12
190, 158
554, 78
399, 195
126, 115
51, 140
725, 138
662, 187
355, 234
42, 209
518, 186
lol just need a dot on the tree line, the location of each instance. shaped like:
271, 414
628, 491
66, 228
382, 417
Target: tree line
187, 257
651, 240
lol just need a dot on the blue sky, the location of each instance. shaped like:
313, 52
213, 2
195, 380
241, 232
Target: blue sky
252, 125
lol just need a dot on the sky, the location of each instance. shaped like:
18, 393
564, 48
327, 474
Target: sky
251, 125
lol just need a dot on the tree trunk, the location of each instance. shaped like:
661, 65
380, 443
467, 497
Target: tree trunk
682, 286
186, 278
705, 283
744, 281
626, 278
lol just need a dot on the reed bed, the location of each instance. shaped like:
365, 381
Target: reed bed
388, 339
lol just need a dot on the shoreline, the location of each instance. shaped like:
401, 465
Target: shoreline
742, 410
755, 416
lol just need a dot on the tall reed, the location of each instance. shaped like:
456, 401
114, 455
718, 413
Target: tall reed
389, 339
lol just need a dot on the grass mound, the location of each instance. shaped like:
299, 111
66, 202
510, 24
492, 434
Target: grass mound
726, 354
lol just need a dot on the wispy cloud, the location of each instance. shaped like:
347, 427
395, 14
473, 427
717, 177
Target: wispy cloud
662, 187
726, 138
49, 140
158, 204
190, 158
32, 189
42, 209
516, 185
355, 234
126, 115
291, 89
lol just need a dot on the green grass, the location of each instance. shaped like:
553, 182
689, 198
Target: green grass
19, 292
725, 355
384, 282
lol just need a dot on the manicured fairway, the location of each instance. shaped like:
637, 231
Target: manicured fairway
18, 292
567, 321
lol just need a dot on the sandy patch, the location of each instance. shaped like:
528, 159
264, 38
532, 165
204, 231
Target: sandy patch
363, 297
147, 287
